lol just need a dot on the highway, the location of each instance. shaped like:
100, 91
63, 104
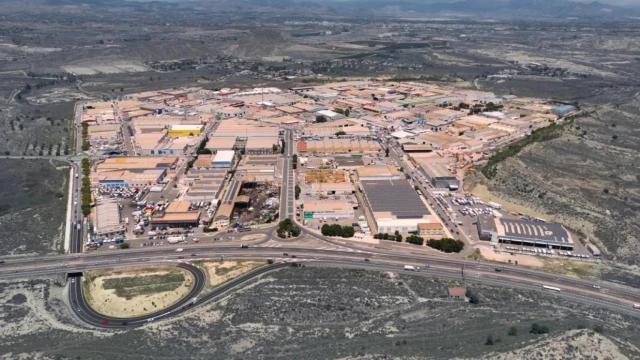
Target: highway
612, 296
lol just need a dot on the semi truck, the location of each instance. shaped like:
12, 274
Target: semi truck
411, 268
552, 288
175, 239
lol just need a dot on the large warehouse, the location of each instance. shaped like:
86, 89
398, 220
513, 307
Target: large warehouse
395, 206
528, 232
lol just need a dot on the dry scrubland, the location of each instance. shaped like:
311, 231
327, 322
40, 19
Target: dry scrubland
136, 292
33, 196
320, 313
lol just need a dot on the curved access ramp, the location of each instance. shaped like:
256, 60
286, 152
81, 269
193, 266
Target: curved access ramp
89, 316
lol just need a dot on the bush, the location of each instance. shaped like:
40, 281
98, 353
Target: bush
489, 340
472, 296
337, 230
538, 329
446, 245
415, 239
513, 331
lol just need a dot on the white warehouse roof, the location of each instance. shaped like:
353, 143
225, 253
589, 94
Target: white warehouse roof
224, 156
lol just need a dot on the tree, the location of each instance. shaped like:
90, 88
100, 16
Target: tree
341, 133
398, 236
294, 162
297, 191
472, 296
345, 231
415, 239
321, 119
125, 246
287, 228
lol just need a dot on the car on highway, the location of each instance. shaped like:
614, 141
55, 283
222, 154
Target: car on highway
244, 246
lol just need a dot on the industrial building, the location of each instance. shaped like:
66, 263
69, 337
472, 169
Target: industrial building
185, 130
224, 159
328, 209
177, 214
107, 220
394, 206
438, 174
527, 232
380, 172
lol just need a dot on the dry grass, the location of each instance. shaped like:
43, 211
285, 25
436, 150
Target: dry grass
221, 272
136, 292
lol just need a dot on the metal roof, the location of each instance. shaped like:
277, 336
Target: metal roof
395, 196
534, 230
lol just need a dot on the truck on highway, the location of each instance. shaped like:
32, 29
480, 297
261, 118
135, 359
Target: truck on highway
552, 288
411, 268
179, 250
175, 239
636, 306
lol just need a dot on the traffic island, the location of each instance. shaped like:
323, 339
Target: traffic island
219, 272
139, 292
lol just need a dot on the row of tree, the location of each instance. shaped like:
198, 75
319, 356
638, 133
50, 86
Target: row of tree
86, 187
345, 231
447, 245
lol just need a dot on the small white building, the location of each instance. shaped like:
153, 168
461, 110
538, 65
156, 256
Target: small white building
330, 115
224, 159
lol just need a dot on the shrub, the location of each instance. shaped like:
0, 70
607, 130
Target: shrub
538, 329
415, 239
513, 331
489, 340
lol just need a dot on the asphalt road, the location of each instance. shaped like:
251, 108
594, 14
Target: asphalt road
86, 314
287, 207
609, 295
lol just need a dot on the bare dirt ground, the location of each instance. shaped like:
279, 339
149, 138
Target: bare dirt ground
127, 294
574, 344
221, 272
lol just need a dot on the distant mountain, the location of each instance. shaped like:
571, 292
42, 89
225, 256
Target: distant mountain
530, 9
